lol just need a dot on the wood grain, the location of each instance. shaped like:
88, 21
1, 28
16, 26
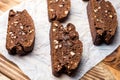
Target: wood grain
11, 70
3, 77
99, 72
6, 4
113, 60
108, 69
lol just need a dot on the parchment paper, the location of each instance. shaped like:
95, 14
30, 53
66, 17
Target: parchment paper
37, 65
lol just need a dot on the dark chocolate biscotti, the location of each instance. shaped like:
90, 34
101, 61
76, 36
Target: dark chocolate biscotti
103, 21
20, 33
66, 48
58, 9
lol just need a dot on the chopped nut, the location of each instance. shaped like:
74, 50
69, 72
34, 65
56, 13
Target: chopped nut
54, 30
9, 26
15, 22
110, 30
17, 15
14, 37
56, 47
11, 41
64, 57
106, 11
31, 31
10, 32
56, 24
66, 12
75, 64
58, 65
50, 1
55, 41
100, 32
61, 27
21, 27
79, 53
71, 62
56, 0
107, 5
31, 40
68, 66
97, 19
69, 28
95, 16
95, 10
72, 53
60, 5
101, 21
20, 24
110, 16
99, 7
60, 46
23, 33
51, 10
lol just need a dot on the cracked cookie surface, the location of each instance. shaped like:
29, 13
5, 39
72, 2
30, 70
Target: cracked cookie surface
103, 21
66, 48
58, 9
20, 33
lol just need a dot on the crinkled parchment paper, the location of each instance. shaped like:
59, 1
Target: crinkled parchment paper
37, 65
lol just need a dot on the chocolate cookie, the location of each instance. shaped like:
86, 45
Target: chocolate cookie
58, 9
20, 33
66, 48
103, 21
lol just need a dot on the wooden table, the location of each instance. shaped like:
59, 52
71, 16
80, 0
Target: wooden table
108, 69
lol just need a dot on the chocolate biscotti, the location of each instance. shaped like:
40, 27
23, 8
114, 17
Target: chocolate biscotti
66, 48
20, 33
58, 9
103, 21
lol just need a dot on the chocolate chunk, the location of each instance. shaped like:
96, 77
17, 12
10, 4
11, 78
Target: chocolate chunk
103, 21
66, 48
20, 33
58, 9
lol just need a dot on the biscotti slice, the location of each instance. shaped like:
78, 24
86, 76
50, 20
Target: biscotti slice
103, 21
58, 9
66, 48
20, 33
